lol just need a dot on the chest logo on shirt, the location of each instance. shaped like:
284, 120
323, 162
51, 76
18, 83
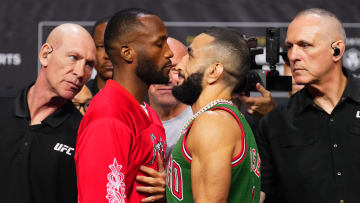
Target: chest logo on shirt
358, 114
63, 148
158, 147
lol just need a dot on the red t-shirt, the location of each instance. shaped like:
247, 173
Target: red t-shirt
115, 138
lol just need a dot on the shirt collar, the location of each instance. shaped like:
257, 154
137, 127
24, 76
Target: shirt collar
352, 91
21, 110
60, 115
301, 101
21, 104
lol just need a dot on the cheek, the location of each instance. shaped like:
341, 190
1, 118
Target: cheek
317, 61
100, 55
55, 73
87, 76
151, 89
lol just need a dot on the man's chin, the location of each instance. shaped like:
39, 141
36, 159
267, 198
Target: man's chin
68, 94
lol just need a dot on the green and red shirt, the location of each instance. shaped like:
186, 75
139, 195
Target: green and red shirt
245, 173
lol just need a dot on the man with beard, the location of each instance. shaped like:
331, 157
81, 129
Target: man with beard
119, 132
211, 161
173, 114
104, 67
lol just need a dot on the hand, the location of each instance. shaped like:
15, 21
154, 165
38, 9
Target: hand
262, 197
259, 106
155, 180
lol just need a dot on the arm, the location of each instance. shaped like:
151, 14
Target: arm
268, 178
155, 180
101, 161
212, 141
259, 105
262, 197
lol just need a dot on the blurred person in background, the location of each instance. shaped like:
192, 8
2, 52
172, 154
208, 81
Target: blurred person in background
173, 114
104, 67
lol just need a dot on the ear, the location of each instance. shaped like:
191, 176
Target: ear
340, 44
44, 54
127, 53
214, 72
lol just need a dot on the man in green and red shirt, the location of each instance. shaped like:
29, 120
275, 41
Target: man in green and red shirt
216, 158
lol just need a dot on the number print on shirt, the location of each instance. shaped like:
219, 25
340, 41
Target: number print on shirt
255, 161
116, 185
174, 179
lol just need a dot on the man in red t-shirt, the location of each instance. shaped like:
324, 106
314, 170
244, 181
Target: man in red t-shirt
119, 132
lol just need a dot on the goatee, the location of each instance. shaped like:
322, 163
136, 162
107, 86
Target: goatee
189, 91
147, 71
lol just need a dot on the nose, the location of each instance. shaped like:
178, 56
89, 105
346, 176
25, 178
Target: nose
293, 54
80, 70
106, 57
168, 53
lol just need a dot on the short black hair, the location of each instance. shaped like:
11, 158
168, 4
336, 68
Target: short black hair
231, 47
99, 22
121, 23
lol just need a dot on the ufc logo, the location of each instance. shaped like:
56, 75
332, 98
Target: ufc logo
63, 148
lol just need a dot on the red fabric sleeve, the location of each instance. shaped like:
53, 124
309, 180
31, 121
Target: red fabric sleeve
101, 161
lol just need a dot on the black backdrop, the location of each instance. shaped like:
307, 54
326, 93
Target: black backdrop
24, 25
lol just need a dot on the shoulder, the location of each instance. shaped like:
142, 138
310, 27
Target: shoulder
106, 104
288, 110
103, 128
7, 109
215, 125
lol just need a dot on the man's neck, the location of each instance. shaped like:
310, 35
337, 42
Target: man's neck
167, 113
209, 94
100, 82
131, 82
328, 93
42, 103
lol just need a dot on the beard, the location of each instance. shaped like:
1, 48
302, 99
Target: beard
147, 72
189, 91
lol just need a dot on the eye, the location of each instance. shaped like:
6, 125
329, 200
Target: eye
99, 46
289, 46
90, 64
304, 44
74, 57
160, 45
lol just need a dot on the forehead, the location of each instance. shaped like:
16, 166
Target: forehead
152, 26
99, 31
178, 49
83, 45
307, 28
201, 41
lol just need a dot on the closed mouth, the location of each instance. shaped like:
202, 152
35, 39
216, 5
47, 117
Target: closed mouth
74, 85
